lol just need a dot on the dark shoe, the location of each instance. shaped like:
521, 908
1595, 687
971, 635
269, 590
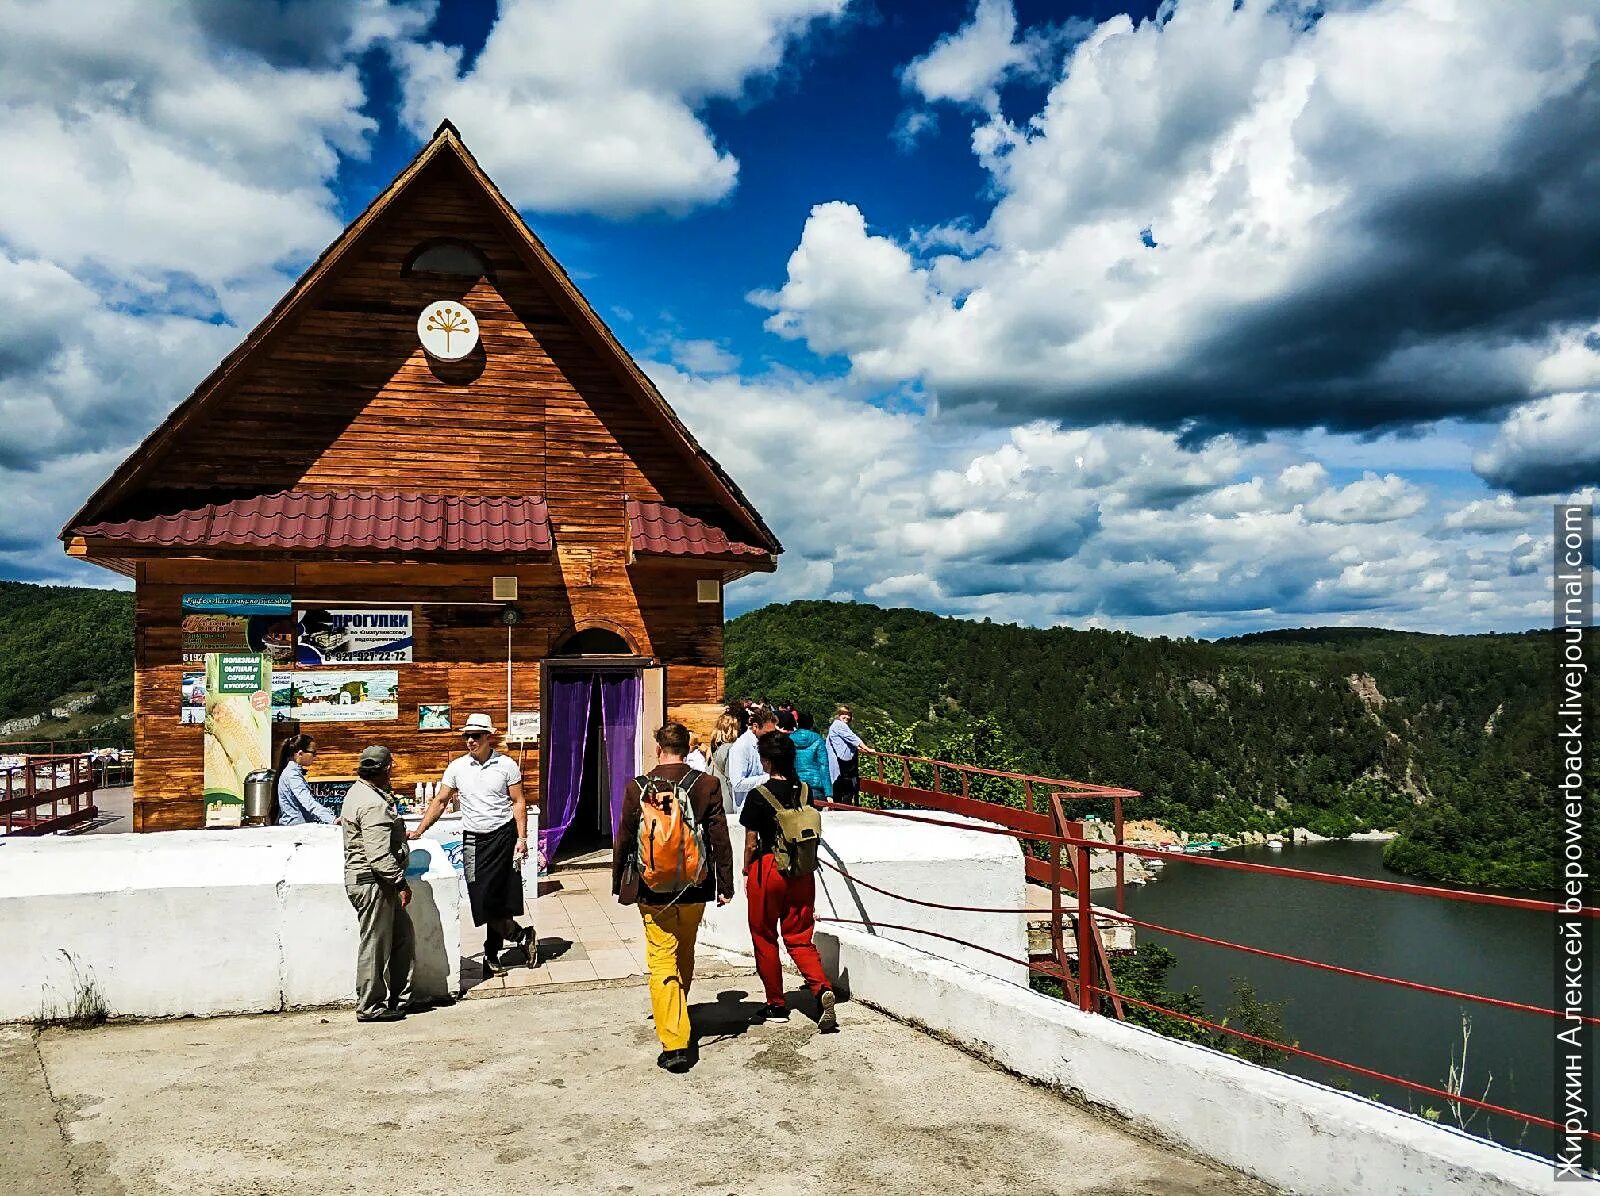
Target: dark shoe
386, 1015
491, 957
676, 1062
530, 947
828, 1020
774, 1013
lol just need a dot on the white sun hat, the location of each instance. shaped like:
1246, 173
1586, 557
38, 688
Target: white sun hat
478, 722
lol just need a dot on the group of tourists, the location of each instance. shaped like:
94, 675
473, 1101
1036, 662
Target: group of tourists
829, 764
673, 854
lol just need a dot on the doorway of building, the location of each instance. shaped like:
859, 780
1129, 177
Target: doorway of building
591, 827
591, 752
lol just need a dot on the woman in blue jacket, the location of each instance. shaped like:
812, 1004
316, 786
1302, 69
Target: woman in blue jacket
296, 806
810, 754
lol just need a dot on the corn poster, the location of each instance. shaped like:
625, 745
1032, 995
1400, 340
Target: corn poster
238, 730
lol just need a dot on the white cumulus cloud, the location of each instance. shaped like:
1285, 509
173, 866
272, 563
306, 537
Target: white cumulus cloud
576, 106
1247, 215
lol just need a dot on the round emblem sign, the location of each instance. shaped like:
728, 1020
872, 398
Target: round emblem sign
447, 330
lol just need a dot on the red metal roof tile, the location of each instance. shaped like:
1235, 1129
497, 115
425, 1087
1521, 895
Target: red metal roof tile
658, 528
379, 520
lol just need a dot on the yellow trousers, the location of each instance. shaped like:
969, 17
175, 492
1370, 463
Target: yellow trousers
669, 934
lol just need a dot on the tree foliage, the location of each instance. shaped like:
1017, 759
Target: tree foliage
1443, 738
60, 640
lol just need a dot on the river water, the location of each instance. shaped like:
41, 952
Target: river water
1497, 952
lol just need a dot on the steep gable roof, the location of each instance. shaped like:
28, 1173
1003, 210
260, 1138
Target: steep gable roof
445, 142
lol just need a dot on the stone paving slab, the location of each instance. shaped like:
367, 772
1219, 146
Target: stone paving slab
555, 1092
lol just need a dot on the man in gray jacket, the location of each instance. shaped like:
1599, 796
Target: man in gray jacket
375, 854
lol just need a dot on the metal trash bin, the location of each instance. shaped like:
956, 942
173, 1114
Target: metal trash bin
260, 790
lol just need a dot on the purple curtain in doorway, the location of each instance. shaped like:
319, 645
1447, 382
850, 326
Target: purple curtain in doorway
568, 730
619, 714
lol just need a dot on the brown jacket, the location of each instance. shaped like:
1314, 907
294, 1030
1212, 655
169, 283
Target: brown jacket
706, 795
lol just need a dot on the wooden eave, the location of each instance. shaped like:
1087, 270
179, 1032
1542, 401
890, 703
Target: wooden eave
122, 556
588, 322
725, 563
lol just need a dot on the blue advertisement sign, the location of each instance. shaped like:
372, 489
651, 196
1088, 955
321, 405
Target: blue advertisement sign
239, 604
326, 635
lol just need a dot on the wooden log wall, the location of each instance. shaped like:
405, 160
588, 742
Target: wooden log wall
459, 658
346, 397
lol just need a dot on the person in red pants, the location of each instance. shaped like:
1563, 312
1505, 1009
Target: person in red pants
778, 901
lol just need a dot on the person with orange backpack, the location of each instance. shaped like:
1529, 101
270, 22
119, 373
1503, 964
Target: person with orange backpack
670, 856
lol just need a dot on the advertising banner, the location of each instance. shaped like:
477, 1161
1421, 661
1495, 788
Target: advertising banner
346, 697
327, 635
238, 731
194, 696
262, 623
239, 604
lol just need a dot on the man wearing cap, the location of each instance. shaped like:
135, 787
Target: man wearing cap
494, 824
375, 856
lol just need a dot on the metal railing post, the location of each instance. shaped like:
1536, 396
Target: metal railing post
1058, 945
1086, 957
1121, 903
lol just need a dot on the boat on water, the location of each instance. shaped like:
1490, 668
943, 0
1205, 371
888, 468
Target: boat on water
1274, 844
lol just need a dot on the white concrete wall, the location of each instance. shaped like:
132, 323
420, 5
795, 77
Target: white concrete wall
1300, 1136
947, 864
202, 922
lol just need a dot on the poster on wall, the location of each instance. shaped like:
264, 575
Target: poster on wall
346, 696
260, 623
238, 731
194, 696
192, 708
523, 727
282, 696
433, 718
328, 635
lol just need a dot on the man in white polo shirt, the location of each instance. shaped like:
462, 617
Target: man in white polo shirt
494, 824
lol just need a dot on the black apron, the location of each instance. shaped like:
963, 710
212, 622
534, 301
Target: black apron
493, 886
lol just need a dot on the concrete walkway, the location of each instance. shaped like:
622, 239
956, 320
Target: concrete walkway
554, 1092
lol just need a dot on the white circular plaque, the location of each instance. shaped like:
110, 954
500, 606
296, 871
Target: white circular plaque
447, 330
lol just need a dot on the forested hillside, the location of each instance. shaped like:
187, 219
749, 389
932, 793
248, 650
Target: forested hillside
1445, 738
60, 640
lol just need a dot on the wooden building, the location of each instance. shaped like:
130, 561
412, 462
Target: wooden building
333, 458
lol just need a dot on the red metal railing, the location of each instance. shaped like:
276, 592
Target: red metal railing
64, 784
112, 765
1029, 790
1090, 981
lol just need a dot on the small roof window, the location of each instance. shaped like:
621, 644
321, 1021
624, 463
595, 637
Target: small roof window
447, 257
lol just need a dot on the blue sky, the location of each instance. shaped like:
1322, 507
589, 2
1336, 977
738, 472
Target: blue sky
1190, 319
